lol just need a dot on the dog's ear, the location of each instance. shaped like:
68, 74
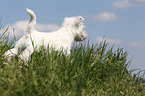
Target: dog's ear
81, 18
79, 21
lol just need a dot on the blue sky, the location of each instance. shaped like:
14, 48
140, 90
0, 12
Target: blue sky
120, 21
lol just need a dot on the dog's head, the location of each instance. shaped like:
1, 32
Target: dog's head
76, 27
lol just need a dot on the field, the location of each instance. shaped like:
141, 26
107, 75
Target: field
90, 70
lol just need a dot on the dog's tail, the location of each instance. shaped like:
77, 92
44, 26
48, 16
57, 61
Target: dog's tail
32, 22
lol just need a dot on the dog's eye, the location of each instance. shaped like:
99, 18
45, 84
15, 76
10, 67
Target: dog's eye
77, 24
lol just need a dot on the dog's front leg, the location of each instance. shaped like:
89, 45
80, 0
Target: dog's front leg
68, 52
26, 54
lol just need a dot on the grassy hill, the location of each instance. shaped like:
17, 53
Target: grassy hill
95, 70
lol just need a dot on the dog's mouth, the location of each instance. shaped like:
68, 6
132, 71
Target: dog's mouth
81, 38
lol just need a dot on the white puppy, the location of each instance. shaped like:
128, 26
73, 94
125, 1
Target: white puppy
72, 29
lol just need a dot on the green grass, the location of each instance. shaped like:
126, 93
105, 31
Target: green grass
95, 70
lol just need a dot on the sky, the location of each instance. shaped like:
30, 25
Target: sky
119, 21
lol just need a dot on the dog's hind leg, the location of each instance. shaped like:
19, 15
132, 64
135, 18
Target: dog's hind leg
26, 53
10, 53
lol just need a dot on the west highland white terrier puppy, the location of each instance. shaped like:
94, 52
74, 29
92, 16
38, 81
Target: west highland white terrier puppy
72, 29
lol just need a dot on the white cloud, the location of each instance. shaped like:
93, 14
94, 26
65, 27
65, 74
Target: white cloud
20, 28
128, 3
105, 16
108, 40
135, 44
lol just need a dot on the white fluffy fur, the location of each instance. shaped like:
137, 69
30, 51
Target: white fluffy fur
72, 29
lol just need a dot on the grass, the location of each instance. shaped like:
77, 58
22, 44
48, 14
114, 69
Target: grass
95, 70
